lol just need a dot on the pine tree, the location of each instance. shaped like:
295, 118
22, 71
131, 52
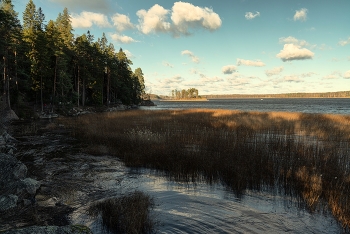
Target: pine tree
10, 30
64, 58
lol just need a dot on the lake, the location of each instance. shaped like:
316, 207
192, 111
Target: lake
304, 105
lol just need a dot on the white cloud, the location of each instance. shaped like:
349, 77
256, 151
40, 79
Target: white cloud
122, 39
173, 80
292, 78
300, 14
185, 16
166, 64
153, 20
274, 71
250, 63
128, 54
194, 58
344, 42
308, 74
293, 52
251, 15
333, 75
293, 40
347, 75
122, 22
86, 19
229, 69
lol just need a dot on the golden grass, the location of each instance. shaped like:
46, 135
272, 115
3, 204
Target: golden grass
304, 155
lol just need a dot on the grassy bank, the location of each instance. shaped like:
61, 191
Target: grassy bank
305, 156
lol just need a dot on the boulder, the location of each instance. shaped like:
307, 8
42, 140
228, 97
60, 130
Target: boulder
11, 169
8, 115
8, 201
30, 185
14, 186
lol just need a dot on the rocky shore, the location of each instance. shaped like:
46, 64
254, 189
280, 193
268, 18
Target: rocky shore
20, 208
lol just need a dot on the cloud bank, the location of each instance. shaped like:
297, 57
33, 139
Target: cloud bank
86, 19
122, 22
184, 18
293, 40
344, 42
250, 63
153, 20
293, 52
300, 15
292, 78
194, 58
347, 75
251, 15
229, 69
274, 71
122, 39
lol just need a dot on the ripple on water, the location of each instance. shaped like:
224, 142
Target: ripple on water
201, 208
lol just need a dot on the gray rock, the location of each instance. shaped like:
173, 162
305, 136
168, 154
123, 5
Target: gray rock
8, 116
11, 169
20, 171
30, 185
27, 202
73, 229
7, 202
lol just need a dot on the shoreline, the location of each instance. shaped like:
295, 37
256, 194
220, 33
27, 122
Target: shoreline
184, 100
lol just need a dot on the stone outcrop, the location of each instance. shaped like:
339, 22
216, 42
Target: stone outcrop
73, 229
15, 188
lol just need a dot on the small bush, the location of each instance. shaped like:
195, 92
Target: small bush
126, 214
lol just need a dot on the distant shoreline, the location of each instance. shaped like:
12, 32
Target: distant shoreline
185, 100
280, 98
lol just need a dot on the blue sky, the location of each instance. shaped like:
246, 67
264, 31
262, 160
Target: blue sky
222, 46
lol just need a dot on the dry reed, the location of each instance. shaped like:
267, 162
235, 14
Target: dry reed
303, 155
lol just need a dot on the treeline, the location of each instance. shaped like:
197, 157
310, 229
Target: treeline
341, 94
44, 63
184, 94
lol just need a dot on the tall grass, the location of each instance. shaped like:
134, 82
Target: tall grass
128, 214
305, 156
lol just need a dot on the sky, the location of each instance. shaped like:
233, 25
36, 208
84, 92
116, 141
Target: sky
222, 46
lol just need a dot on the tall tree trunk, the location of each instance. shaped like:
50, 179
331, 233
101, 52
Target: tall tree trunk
108, 84
78, 84
6, 83
41, 93
83, 96
16, 76
54, 83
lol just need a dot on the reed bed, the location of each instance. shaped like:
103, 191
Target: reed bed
127, 214
305, 156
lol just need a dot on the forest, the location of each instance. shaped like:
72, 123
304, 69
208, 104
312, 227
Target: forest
44, 64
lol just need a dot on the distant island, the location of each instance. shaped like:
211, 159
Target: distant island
340, 94
181, 95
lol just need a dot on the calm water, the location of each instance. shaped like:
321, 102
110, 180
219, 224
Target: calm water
304, 105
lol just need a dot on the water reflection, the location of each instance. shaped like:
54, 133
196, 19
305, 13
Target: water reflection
203, 208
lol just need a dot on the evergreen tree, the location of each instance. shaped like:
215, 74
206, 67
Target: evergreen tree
125, 89
63, 61
10, 37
